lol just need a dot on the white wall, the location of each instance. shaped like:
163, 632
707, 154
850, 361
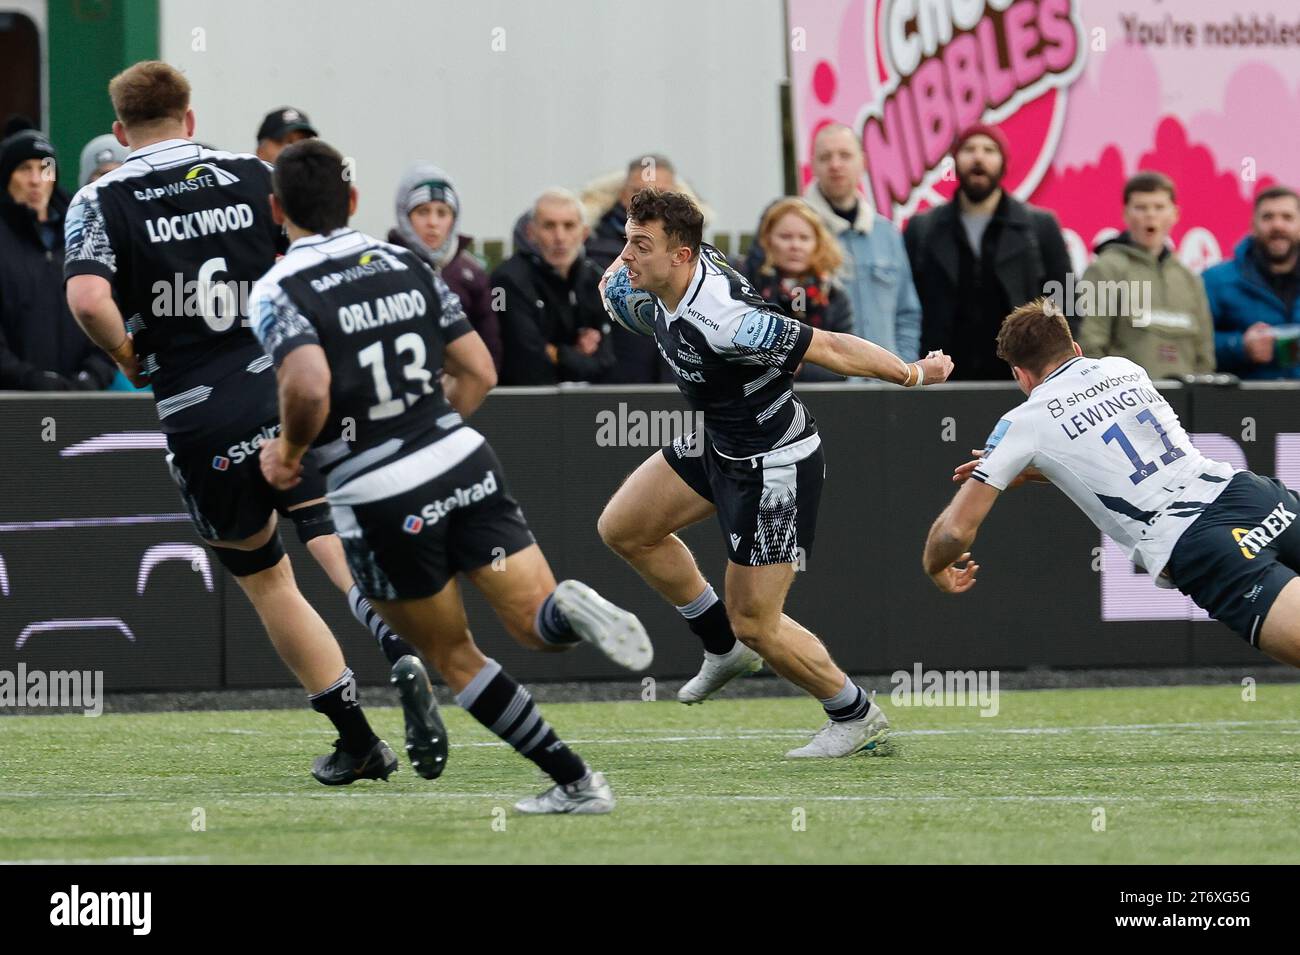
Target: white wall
581, 87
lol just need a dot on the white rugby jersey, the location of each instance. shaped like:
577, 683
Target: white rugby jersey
1099, 430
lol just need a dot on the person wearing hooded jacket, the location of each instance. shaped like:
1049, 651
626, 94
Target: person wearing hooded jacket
41, 347
553, 324
427, 208
1138, 300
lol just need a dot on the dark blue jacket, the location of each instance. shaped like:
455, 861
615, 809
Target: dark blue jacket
41, 347
1239, 297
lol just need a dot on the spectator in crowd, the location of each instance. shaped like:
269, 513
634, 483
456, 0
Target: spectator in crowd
606, 210
1137, 300
1258, 289
428, 208
553, 323
605, 201
282, 127
876, 273
102, 154
796, 273
41, 347
980, 256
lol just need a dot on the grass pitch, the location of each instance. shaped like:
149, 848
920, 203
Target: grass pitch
1178, 774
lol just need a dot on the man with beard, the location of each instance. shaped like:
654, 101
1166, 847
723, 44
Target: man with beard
979, 257
1257, 290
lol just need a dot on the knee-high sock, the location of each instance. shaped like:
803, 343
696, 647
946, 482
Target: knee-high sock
850, 703
339, 702
394, 647
508, 710
552, 625
706, 615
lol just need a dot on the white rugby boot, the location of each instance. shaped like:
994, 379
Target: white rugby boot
590, 795
718, 670
869, 735
616, 632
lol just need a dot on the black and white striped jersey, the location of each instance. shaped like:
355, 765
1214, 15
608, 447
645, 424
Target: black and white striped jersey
735, 357
182, 232
383, 318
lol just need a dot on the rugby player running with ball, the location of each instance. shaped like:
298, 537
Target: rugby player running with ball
760, 468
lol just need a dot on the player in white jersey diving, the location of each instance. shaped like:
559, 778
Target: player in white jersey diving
1099, 431
757, 465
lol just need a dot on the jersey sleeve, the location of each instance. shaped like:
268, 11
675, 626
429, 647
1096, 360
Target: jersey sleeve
87, 247
1008, 451
760, 337
278, 324
452, 321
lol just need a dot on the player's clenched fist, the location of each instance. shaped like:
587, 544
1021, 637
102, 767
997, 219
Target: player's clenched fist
279, 473
937, 367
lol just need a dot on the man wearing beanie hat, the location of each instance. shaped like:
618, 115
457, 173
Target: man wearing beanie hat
41, 347
102, 154
427, 208
980, 256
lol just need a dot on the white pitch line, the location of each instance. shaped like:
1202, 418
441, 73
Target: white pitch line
750, 733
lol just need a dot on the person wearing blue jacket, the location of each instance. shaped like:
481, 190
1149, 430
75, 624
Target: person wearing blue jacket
876, 272
1259, 289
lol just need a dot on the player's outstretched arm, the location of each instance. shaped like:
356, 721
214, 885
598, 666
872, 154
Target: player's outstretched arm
858, 358
90, 299
962, 472
952, 535
304, 376
468, 373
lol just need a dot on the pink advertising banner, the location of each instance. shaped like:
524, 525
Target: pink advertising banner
1087, 92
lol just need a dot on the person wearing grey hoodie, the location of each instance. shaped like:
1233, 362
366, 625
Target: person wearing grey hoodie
427, 209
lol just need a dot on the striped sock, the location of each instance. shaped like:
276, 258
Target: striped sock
850, 703
394, 647
552, 625
706, 615
339, 702
508, 710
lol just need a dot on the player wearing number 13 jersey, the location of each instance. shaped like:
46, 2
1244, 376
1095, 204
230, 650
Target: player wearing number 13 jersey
1099, 431
378, 367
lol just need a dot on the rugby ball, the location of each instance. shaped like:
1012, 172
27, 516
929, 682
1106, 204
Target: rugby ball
629, 307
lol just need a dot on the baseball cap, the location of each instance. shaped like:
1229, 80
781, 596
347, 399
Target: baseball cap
282, 121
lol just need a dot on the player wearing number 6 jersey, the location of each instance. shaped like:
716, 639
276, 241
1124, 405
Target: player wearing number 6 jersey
160, 254
1099, 431
359, 330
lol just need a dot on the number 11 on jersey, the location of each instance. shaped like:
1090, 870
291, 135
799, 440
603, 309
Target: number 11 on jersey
1143, 469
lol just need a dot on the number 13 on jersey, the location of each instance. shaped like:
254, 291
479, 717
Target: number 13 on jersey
412, 369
